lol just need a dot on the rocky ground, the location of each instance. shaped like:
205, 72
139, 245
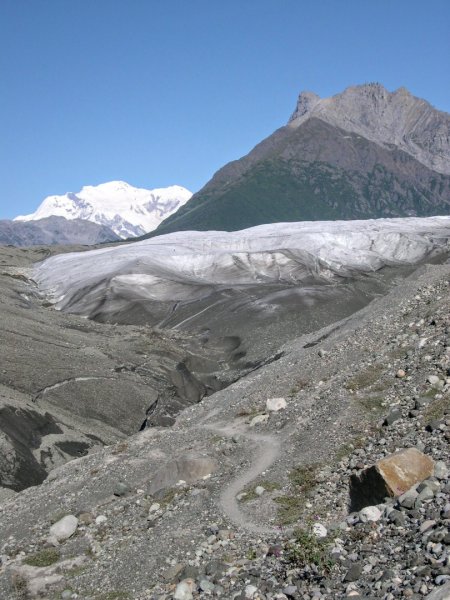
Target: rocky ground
238, 500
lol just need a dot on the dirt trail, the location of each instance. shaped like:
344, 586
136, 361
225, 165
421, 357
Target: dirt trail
265, 453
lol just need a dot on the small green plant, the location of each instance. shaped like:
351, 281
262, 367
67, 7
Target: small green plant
307, 549
20, 587
44, 558
251, 554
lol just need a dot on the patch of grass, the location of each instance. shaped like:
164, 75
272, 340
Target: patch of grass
44, 558
436, 409
250, 493
364, 379
291, 507
304, 477
374, 404
307, 549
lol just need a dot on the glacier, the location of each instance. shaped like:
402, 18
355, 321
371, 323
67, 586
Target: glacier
127, 210
195, 269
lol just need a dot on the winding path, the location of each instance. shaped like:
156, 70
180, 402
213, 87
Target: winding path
266, 452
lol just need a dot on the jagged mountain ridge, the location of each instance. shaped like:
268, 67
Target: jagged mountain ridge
127, 210
331, 162
54, 230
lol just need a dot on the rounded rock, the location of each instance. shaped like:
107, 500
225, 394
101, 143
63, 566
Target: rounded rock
64, 528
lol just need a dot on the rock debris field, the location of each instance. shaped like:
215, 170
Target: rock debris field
259, 490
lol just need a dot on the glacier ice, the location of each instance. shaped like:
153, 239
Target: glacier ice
189, 266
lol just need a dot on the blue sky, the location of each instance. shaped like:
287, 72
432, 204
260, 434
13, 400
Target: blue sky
161, 92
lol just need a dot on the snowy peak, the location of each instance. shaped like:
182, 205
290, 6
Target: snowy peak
384, 117
127, 210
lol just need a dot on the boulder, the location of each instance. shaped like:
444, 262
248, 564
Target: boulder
389, 477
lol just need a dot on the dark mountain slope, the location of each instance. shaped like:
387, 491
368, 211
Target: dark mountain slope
314, 172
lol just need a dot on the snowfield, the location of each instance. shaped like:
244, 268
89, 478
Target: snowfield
189, 265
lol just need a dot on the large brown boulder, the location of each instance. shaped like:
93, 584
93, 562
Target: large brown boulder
389, 477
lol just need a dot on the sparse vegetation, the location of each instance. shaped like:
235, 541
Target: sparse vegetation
250, 493
303, 480
43, 558
437, 408
364, 379
307, 549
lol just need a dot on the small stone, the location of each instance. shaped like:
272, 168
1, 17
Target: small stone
440, 470
250, 591
369, 513
206, 586
275, 404
435, 381
259, 420
354, 572
259, 490
154, 507
64, 528
184, 590
319, 530
66, 595
408, 499
121, 489
427, 525
322, 353
393, 416
400, 374
101, 519
290, 591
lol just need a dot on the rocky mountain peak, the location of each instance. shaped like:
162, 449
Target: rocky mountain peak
387, 118
305, 103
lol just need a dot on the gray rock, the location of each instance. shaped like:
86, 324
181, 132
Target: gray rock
121, 489
440, 470
354, 572
64, 528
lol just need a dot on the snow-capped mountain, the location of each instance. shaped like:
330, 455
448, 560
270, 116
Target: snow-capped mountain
127, 210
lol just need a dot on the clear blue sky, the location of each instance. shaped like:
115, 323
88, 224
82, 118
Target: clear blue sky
158, 92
